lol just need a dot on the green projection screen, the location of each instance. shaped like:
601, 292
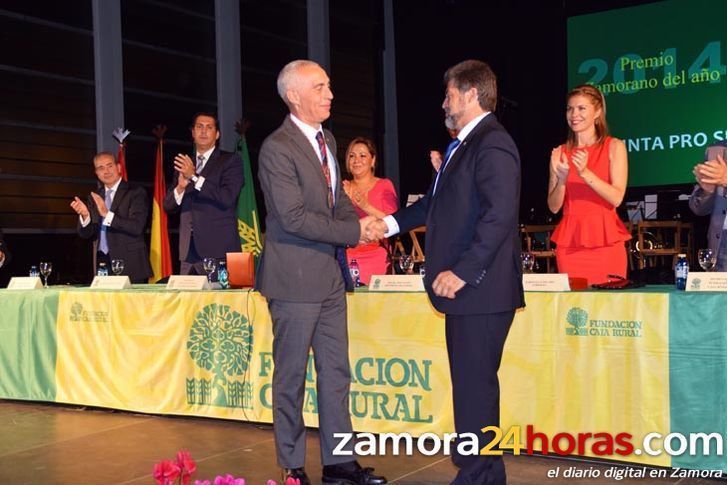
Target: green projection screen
661, 67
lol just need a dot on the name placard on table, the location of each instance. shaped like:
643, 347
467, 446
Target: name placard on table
546, 282
707, 281
111, 283
25, 283
188, 282
396, 282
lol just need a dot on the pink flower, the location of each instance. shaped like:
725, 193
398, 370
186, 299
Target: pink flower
186, 465
228, 480
271, 482
292, 481
165, 472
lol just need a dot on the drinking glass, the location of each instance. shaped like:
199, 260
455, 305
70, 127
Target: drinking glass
707, 259
117, 266
46, 268
406, 263
528, 261
210, 266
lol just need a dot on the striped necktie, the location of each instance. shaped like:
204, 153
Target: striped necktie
324, 166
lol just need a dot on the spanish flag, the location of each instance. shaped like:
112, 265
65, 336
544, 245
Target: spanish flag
121, 158
159, 253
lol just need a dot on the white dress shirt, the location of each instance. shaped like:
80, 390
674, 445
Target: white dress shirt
310, 134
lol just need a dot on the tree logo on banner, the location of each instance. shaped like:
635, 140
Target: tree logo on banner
577, 317
220, 341
76, 312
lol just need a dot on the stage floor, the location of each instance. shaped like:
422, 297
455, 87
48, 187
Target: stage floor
57, 444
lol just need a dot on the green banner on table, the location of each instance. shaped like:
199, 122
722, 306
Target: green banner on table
698, 382
651, 361
589, 362
28, 344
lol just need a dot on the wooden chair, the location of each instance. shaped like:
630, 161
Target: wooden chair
657, 240
417, 253
397, 248
536, 240
631, 251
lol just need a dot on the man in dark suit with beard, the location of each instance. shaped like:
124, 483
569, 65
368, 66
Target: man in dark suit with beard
206, 198
473, 255
115, 217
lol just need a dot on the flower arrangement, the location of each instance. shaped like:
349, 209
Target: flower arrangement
179, 472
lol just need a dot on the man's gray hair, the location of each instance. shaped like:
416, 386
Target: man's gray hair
105, 154
289, 75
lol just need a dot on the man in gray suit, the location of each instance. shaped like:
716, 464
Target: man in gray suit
309, 219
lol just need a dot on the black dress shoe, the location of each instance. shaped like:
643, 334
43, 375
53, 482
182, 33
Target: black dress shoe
351, 473
296, 473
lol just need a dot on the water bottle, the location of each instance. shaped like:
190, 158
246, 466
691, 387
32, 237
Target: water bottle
681, 270
102, 269
34, 271
355, 273
222, 278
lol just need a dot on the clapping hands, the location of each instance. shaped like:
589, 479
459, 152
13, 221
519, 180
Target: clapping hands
559, 164
580, 161
80, 208
100, 204
711, 173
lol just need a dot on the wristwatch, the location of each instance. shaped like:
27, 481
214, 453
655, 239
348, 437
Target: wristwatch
194, 178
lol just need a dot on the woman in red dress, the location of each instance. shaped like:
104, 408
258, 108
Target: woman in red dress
371, 196
588, 180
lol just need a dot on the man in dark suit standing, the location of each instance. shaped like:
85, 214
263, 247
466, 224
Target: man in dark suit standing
206, 197
115, 217
309, 218
473, 254
4, 252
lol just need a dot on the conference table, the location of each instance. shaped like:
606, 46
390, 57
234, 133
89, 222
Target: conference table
652, 360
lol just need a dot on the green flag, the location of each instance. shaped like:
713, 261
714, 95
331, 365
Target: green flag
248, 224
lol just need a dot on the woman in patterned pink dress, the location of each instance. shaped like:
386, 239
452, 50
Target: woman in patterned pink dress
371, 196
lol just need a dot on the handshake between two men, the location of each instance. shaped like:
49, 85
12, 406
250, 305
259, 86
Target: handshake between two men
372, 229
446, 284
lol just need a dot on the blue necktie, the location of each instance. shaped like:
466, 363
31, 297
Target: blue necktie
450, 148
103, 243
